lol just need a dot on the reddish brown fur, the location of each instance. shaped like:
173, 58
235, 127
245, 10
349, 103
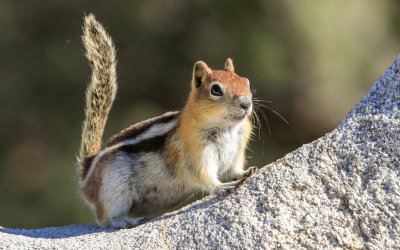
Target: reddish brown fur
199, 107
229, 65
235, 84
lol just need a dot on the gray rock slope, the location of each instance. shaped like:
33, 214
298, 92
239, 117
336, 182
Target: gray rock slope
340, 191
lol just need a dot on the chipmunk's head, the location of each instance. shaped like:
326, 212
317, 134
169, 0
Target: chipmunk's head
220, 96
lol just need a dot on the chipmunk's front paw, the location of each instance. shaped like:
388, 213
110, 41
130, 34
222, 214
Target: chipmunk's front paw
243, 175
249, 172
229, 187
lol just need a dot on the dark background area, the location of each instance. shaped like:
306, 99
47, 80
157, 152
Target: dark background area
312, 59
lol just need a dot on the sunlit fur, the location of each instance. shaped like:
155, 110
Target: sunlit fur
157, 164
101, 91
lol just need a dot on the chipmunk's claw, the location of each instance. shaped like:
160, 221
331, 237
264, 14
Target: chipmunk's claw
233, 186
249, 172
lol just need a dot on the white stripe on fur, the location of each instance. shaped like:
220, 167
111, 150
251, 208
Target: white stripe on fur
157, 129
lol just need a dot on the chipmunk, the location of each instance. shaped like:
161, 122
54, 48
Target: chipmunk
155, 164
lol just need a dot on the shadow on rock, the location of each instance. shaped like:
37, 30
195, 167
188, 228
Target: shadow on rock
58, 232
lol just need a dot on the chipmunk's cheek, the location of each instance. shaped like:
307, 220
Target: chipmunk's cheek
215, 112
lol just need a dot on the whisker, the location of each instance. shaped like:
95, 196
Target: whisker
248, 148
264, 116
257, 121
276, 113
260, 100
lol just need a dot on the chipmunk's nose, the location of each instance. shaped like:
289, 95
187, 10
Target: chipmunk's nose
244, 101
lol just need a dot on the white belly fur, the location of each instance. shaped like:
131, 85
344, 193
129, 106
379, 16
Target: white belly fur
226, 150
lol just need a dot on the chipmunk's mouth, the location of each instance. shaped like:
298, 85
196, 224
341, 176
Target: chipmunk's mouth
240, 115
236, 117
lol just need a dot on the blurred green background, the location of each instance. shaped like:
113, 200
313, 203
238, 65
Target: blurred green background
313, 59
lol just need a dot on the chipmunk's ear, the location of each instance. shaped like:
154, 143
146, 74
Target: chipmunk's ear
200, 73
229, 65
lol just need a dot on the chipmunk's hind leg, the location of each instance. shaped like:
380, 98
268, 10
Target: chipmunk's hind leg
118, 193
125, 223
117, 206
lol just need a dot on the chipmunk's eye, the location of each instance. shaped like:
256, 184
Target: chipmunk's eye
216, 90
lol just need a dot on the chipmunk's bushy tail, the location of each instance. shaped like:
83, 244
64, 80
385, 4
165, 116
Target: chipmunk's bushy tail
101, 91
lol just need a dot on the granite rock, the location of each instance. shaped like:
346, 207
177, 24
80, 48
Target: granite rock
340, 191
